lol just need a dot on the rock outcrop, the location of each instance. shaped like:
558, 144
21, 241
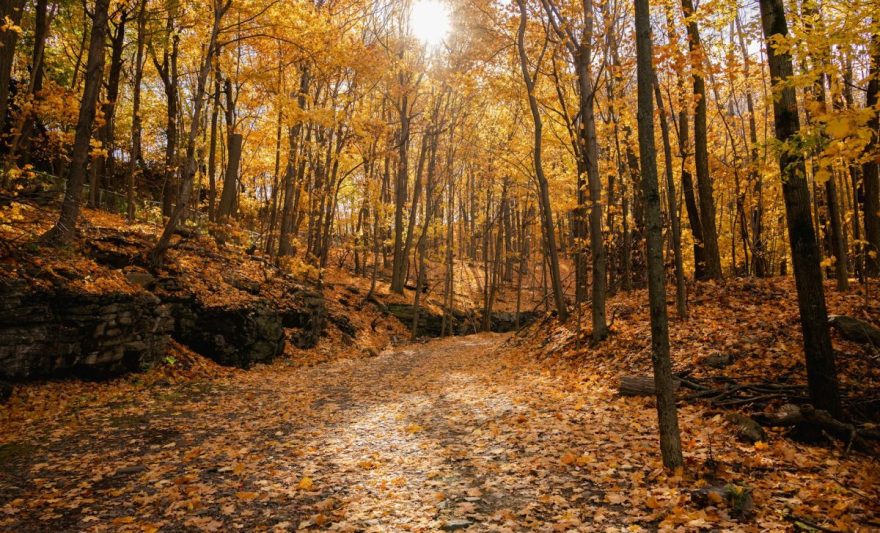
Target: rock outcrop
46, 331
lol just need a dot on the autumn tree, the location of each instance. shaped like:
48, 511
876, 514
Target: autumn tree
821, 371
63, 231
670, 440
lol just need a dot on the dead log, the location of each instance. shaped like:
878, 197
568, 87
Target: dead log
641, 386
855, 330
810, 417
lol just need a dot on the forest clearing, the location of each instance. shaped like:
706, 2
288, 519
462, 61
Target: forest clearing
439, 265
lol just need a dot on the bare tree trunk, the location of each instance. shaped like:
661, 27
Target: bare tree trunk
212, 148
276, 176
399, 261
821, 371
233, 149
63, 231
582, 54
687, 183
27, 121
759, 259
157, 254
168, 72
135, 156
11, 10
817, 93
288, 226
670, 440
104, 166
871, 169
674, 222
701, 148
543, 186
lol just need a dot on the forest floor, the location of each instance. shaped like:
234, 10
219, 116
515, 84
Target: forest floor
470, 431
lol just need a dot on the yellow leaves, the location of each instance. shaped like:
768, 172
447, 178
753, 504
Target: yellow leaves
568, 458
822, 176
306, 483
414, 428
246, 496
123, 520
9, 25
760, 445
838, 128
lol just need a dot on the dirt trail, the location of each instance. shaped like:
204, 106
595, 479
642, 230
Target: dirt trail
427, 436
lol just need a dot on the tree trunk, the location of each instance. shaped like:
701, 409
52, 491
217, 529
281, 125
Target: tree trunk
168, 73
670, 440
759, 259
674, 222
134, 162
27, 121
11, 10
687, 183
63, 231
543, 186
590, 153
701, 148
871, 169
212, 149
157, 254
821, 371
285, 239
104, 162
399, 261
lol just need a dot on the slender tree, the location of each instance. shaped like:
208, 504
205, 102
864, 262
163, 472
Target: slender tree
63, 231
701, 146
821, 371
670, 440
157, 254
543, 186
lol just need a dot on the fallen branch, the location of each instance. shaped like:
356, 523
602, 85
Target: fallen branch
641, 386
807, 415
807, 524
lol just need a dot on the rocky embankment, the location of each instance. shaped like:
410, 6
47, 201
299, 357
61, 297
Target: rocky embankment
105, 312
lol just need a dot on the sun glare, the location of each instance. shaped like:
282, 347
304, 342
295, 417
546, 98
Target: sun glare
430, 21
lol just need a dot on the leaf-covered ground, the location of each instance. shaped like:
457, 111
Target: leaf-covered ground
449, 434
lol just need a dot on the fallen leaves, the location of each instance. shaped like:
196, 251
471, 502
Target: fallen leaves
421, 438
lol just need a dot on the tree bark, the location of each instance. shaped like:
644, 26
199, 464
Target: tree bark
759, 259
821, 371
687, 183
168, 72
543, 186
134, 162
63, 231
670, 440
11, 9
701, 148
871, 169
106, 133
157, 254
672, 208
233, 151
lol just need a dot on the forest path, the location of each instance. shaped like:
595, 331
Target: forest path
426, 436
